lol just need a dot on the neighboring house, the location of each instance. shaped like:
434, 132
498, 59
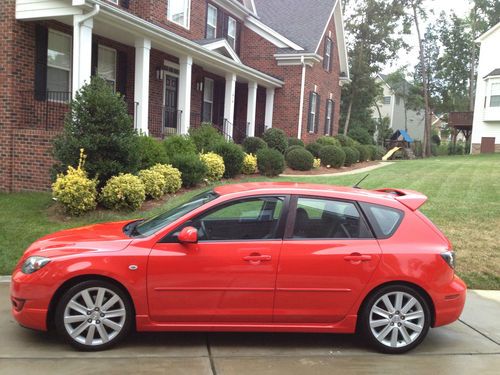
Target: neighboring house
392, 106
486, 123
244, 65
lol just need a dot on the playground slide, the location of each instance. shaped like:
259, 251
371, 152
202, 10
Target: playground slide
390, 153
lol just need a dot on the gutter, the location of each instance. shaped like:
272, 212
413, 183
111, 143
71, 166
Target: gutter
302, 88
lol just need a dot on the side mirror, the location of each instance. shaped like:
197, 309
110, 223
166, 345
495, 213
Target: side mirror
188, 235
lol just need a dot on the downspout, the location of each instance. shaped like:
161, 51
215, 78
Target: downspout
302, 87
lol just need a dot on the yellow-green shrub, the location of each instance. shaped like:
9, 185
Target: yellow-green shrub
124, 191
249, 164
317, 163
215, 165
75, 191
171, 175
154, 183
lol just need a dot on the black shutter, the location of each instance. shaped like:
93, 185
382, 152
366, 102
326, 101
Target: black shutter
332, 118
220, 24
41, 47
94, 58
318, 105
326, 119
309, 115
125, 3
121, 79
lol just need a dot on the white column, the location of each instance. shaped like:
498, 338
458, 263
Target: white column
141, 84
251, 108
82, 52
229, 103
268, 120
184, 96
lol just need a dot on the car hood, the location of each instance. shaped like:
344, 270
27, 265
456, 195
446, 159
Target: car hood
97, 237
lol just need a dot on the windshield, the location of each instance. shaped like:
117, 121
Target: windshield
153, 225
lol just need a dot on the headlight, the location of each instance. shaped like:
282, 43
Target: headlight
449, 258
33, 264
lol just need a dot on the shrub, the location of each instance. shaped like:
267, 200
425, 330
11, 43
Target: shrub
214, 164
314, 148
351, 156
151, 152
291, 148
434, 149
74, 190
317, 163
98, 121
344, 140
253, 144
372, 151
326, 140
205, 137
292, 141
192, 169
332, 156
249, 164
381, 151
360, 135
171, 175
300, 159
154, 183
276, 139
233, 157
124, 191
364, 152
435, 139
270, 162
457, 149
442, 149
179, 145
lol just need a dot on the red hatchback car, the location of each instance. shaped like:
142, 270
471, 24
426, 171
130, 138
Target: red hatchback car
277, 257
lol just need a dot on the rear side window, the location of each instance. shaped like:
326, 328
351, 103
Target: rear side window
385, 220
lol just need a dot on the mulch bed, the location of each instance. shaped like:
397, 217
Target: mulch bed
325, 170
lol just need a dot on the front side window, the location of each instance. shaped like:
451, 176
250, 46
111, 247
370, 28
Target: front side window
325, 218
208, 100
211, 22
106, 65
255, 218
58, 65
231, 32
327, 59
495, 95
328, 119
178, 12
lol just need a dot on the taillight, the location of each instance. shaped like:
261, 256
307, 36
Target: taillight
449, 258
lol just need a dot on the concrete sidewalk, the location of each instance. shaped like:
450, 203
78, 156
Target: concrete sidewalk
469, 346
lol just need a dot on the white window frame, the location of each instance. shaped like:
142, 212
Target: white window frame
187, 13
114, 1
208, 101
494, 83
328, 54
387, 102
312, 112
328, 118
69, 70
100, 46
231, 39
210, 6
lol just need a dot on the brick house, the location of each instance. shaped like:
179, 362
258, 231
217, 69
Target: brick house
244, 65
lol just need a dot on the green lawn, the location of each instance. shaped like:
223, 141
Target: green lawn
464, 201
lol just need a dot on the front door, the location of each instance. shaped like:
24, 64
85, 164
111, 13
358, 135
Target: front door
327, 258
170, 115
229, 275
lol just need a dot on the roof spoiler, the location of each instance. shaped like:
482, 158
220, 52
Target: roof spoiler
411, 199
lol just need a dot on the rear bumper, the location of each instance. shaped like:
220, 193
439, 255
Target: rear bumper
449, 302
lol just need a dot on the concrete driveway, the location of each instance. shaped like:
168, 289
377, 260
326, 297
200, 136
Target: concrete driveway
469, 346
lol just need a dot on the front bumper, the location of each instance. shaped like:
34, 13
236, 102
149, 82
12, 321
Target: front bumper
449, 302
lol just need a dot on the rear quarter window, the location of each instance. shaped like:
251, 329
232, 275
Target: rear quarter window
384, 220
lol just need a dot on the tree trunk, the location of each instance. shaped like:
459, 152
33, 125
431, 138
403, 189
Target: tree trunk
379, 123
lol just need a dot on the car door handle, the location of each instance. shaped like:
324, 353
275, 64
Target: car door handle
257, 258
357, 257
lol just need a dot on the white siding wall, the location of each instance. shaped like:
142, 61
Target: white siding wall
39, 9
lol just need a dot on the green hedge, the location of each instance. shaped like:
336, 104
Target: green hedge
300, 159
270, 162
332, 156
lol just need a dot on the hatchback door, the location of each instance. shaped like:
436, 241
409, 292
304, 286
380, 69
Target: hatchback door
229, 275
328, 256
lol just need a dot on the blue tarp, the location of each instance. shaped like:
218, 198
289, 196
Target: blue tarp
402, 135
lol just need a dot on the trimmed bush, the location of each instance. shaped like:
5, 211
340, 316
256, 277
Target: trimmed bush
74, 190
192, 169
317, 163
314, 148
270, 162
294, 147
151, 152
154, 183
249, 164
205, 137
344, 140
364, 152
300, 159
361, 135
253, 144
292, 141
332, 156
179, 145
233, 157
351, 156
276, 139
326, 140
124, 191
214, 164
171, 175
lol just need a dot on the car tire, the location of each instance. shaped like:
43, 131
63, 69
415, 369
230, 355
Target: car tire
94, 315
395, 319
